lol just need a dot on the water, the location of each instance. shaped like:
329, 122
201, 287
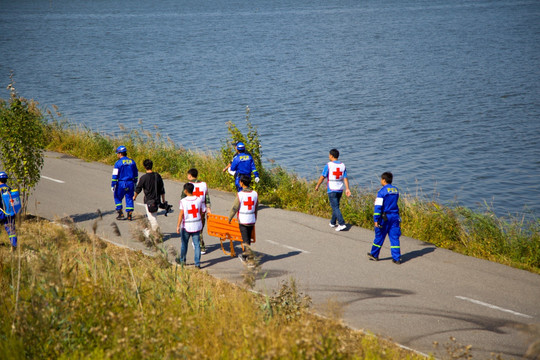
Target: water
446, 95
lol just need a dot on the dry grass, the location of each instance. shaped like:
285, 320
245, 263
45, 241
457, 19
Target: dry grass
80, 297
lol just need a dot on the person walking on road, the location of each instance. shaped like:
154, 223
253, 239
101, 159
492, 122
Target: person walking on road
7, 218
189, 224
124, 178
387, 220
200, 190
242, 164
245, 206
336, 175
154, 192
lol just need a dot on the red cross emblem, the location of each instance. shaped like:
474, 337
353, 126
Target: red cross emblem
249, 203
198, 192
193, 211
337, 173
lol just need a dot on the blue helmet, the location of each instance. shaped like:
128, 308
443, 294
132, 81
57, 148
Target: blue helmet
240, 146
121, 149
3, 175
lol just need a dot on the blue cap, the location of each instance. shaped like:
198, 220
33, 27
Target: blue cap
240, 146
3, 175
121, 149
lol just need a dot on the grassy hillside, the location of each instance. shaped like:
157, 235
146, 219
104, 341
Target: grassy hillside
65, 294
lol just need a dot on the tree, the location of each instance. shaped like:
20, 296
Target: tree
253, 145
22, 142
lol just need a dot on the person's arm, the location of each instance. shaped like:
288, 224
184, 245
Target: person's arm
377, 212
115, 173
207, 201
322, 177
347, 190
135, 171
234, 209
180, 218
254, 170
138, 188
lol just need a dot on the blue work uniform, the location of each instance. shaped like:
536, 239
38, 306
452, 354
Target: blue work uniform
243, 164
386, 214
335, 186
124, 178
7, 220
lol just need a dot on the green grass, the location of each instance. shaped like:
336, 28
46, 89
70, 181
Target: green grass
65, 294
509, 240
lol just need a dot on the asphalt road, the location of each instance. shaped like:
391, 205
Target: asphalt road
434, 295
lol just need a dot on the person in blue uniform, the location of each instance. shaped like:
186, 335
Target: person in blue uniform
7, 220
124, 177
387, 220
242, 164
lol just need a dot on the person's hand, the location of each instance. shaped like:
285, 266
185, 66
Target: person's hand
208, 210
134, 197
178, 229
348, 192
112, 189
316, 187
257, 179
377, 224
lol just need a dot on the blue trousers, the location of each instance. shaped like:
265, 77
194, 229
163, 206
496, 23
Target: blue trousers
9, 225
335, 198
195, 238
124, 189
390, 227
237, 181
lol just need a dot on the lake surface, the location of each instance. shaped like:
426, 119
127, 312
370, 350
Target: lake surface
445, 94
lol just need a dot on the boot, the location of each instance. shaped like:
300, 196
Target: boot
129, 216
120, 215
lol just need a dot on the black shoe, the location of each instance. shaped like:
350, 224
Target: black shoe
371, 257
398, 262
120, 215
198, 267
129, 215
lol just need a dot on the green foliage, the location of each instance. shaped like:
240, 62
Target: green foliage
22, 142
253, 146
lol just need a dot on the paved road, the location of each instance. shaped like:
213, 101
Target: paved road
433, 295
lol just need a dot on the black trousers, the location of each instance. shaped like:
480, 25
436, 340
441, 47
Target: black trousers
246, 231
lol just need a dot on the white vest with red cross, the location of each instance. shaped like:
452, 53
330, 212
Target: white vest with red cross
200, 189
335, 176
191, 206
248, 207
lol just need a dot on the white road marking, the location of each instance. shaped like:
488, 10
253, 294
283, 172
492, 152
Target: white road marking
55, 180
138, 203
495, 307
288, 247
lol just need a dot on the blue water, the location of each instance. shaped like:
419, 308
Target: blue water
446, 95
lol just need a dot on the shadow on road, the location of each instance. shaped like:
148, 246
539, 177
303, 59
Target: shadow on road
351, 294
417, 253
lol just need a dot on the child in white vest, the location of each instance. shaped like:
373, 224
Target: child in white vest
189, 224
245, 207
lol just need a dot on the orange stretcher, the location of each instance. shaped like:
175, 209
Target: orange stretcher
219, 226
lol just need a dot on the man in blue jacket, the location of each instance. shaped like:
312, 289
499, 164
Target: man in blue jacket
5, 218
387, 220
124, 178
242, 164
